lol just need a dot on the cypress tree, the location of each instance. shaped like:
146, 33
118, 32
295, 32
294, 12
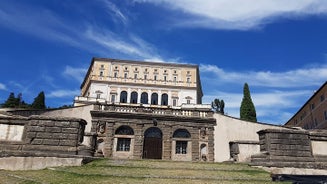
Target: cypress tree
247, 110
39, 101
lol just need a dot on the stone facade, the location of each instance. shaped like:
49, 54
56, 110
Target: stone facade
292, 148
143, 122
139, 82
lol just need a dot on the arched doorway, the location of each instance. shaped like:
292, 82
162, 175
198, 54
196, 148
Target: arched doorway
152, 146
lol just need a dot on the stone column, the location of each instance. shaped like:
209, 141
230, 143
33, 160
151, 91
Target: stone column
138, 141
139, 92
194, 131
167, 139
107, 152
128, 95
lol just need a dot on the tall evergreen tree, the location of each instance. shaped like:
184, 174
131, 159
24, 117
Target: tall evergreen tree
39, 101
247, 110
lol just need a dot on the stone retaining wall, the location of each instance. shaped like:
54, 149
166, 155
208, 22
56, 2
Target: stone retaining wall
292, 148
41, 134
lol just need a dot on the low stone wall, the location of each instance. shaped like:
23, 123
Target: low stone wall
22, 136
292, 148
241, 151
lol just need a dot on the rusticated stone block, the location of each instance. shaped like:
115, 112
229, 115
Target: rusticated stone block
44, 135
70, 130
50, 141
74, 124
68, 143
35, 129
53, 129
62, 124
37, 141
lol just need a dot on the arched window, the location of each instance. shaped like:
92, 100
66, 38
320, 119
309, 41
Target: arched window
181, 133
124, 130
144, 98
123, 97
154, 99
133, 97
124, 143
153, 132
181, 145
164, 99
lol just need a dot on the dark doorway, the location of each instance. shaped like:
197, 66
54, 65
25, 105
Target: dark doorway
152, 146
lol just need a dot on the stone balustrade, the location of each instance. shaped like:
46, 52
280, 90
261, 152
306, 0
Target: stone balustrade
150, 109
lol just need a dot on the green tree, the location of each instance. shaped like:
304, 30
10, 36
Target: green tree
247, 110
218, 105
11, 102
39, 101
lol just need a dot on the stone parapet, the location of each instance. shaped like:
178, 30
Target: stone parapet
42, 134
292, 148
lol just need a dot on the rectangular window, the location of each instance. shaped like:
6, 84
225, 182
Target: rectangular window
174, 102
165, 78
125, 76
175, 79
144, 77
101, 73
181, 147
115, 75
155, 77
322, 98
312, 106
113, 98
123, 144
188, 80
188, 101
135, 76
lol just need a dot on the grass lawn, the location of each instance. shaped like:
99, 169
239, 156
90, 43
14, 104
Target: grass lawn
140, 171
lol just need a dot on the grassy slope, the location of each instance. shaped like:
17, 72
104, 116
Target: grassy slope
140, 171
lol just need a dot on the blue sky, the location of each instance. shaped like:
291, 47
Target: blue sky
278, 47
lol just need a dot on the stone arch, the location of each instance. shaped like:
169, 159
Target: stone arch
124, 130
154, 99
133, 97
164, 99
144, 98
123, 97
181, 133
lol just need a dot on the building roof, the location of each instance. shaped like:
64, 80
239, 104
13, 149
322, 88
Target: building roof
307, 102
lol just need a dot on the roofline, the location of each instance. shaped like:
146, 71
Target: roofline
138, 62
322, 86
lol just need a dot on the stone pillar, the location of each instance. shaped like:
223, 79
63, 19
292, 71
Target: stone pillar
211, 145
128, 95
107, 152
159, 97
195, 132
139, 92
167, 141
138, 141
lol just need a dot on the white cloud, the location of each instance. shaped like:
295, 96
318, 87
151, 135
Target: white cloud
114, 11
63, 93
3, 87
129, 45
75, 73
293, 78
238, 14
